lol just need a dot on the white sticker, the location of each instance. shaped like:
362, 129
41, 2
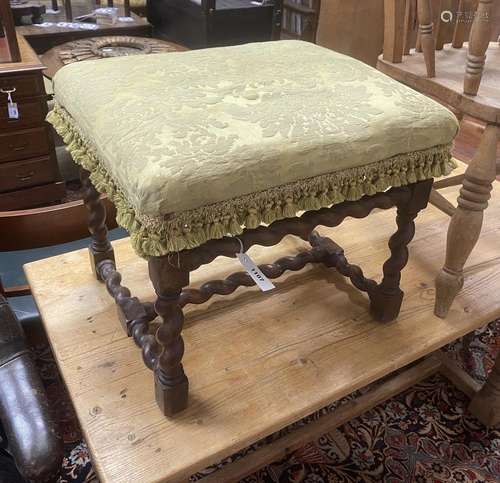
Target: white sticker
254, 271
13, 111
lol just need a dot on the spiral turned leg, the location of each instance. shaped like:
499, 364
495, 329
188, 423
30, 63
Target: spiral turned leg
466, 223
100, 249
387, 297
485, 405
171, 384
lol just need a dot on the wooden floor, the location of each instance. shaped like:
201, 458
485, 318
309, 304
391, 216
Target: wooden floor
257, 362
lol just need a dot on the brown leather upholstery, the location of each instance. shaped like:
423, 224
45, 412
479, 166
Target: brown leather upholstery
31, 433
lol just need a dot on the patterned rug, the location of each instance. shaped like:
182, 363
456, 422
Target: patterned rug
423, 435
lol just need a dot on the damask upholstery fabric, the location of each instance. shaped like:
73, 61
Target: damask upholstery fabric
197, 145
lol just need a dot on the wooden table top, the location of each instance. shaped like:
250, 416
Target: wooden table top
44, 38
256, 362
83, 49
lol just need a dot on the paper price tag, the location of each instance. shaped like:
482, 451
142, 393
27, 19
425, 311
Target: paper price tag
12, 110
253, 270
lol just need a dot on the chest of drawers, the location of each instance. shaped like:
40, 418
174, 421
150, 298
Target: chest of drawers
29, 175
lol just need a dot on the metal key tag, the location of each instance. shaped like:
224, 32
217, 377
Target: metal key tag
12, 109
254, 271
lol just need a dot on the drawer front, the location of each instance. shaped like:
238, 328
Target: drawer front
25, 86
24, 174
24, 144
31, 114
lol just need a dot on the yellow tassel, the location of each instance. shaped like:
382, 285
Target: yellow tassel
310, 203
381, 183
126, 219
335, 195
403, 178
269, 216
278, 212
324, 200
353, 193
234, 226
436, 170
252, 220
199, 234
290, 209
395, 180
216, 229
412, 176
419, 173
446, 168
154, 247
369, 188
188, 236
177, 243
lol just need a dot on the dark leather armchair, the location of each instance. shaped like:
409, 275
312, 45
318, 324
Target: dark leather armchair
31, 434
30, 431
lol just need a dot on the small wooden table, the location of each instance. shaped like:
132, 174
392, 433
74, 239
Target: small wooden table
95, 48
289, 352
44, 38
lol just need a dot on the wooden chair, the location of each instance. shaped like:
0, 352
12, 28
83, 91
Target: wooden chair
300, 19
466, 77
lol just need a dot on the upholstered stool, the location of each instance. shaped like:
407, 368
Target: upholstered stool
206, 153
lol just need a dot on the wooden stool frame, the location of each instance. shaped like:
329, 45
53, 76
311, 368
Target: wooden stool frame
169, 274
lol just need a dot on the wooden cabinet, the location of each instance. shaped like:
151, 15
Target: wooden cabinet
211, 23
29, 175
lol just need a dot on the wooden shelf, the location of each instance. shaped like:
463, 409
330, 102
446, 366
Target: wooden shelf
257, 362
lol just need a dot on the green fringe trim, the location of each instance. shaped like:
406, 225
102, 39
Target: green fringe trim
157, 236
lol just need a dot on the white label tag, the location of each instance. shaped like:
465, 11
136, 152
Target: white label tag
253, 270
13, 111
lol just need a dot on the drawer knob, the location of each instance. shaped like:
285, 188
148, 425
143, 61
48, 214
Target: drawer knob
25, 176
8, 91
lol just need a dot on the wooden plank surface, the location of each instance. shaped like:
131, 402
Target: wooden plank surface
283, 447
256, 362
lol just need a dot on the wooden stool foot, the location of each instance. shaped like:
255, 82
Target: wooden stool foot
171, 399
448, 285
385, 307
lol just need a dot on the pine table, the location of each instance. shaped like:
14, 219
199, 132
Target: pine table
288, 352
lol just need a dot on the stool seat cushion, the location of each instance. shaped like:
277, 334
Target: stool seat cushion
197, 145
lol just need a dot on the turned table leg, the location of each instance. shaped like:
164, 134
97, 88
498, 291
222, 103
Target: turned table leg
485, 405
100, 248
171, 384
387, 297
466, 222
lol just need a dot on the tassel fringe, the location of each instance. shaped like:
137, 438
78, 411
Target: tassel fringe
158, 236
